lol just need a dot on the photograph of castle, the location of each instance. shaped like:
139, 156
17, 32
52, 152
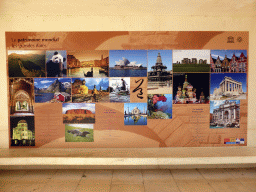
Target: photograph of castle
22, 131
79, 133
78, 113
160, 106
225, 114
191, 88
21, 96
26, 63
90, 90
128, 63
228, 61
228, 86
159, 72
119, 89
89, 63
52, 90
56, 63
191, 60
135, 113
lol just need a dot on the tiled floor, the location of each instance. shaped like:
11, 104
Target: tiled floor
201, 180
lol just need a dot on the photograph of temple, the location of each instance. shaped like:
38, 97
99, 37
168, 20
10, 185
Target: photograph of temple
227, 86
21, 96
191, 60
91, 63
229, 61
22, 131
159, 72
191, 88
135, 113
225, 114
128, 63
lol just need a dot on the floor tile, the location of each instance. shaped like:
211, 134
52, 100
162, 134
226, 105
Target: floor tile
155, 186
187, 176
195, 187
217, 175
61, 186
90, 186
127, 177
127, 188
157, 175
243, 175
250, 185
97, 175
38, 176
21, 187
229, 187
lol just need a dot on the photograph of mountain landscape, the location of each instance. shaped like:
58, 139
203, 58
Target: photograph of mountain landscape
26, 63
78, 112
52, 90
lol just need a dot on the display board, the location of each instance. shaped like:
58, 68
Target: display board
127, 89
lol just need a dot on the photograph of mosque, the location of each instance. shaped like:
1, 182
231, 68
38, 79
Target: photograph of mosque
135, 114
26, 63
21, 96
228, 86
225, 114
160, 106
89, 63
128, 63
191, 60
159, 72
228, 61
191, 88
90, 90
119, 89
22, 131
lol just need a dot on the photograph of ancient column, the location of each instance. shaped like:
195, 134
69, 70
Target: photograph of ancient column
90, 90
160, 106
225, 114
21, 96
191, 88
52, 90
78, 113
79, 133
135, 114
26, 63
228, 61
119, 89
22, 131
159, 72
228, 86
191, 60
128, 63
56, 63
88, 63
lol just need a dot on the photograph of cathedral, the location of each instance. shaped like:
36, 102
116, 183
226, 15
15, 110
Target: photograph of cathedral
21, 96
225, 114
191, 60
228, 86
228, 61
22, 131
135, 113
159, 72
89, 63
191, 88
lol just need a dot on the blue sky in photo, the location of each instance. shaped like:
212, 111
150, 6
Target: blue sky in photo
90, 82
131, 106
217, 78
140, 56
166, 56
63, 53
229, 53
68, 106
46, 82
216, 103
